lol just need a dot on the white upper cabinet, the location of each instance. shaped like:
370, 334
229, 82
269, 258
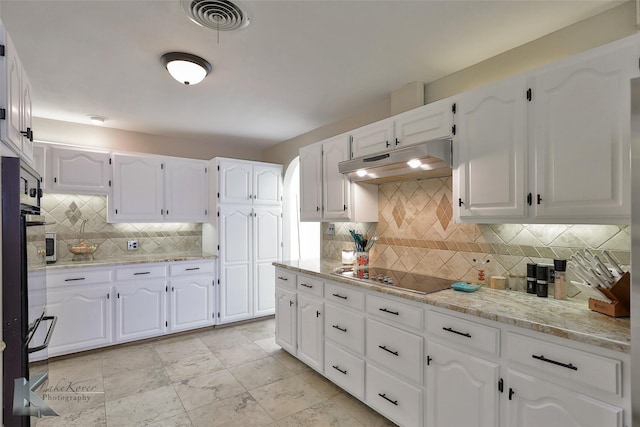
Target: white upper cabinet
491, 143
16, 129
373, 138
41, 155
186, 189
426, 123
580, 126
79, 171
311, 183
158, 189
137, 189
336, 190
245, 182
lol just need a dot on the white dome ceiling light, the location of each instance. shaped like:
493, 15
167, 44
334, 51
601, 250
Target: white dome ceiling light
186, 68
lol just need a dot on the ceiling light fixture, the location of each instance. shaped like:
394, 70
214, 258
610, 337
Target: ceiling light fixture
97, 120
186, 68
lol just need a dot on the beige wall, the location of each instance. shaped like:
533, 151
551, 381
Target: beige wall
116, 139
611, 25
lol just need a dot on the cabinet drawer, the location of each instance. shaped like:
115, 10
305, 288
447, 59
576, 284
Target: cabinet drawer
395, 349
396, 311
393, 397
344, 296
467, 334
78, 277
344, 369
311, 286
565, 363
344, 327
141, 271
285, 278
196, 267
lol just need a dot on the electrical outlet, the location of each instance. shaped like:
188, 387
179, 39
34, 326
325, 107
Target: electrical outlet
132, 245
331, 229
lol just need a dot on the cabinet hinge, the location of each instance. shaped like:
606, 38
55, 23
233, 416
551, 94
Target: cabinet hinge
429, 359
501, 385
109, 160
161, 165
109, 183
166, 324
1, 50
511, 393
460, 202
116, 211
453, 108
218, 281
213, 315
3, 114
218, 247
453, 129
218, 167
166, 288
218, 195
218, 315
218, 213
529, 95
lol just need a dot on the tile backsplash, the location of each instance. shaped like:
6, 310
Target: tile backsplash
417, 234
66, 213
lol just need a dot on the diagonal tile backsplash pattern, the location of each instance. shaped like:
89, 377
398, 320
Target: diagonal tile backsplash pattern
417, 234
66, 213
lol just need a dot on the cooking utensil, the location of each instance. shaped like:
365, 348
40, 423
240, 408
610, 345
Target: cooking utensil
371, 242
591, 292
599, 279
610, 277
614, 263
589, 255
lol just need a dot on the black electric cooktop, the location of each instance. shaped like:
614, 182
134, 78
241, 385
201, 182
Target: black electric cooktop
412, 282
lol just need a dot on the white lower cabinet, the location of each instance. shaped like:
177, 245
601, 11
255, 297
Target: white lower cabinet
84, 318
394, 349
191, 303
310, 331
462, 389
344, 369
140, 309
398, 400
533, 402
286, 323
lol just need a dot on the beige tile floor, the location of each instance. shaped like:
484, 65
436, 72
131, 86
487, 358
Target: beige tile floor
231, 376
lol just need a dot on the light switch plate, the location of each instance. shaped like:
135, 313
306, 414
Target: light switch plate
132, 245
331, 229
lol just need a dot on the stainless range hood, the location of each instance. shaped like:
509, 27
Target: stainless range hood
429, 159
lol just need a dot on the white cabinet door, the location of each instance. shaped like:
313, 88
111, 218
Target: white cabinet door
41, 155
492, 142
372, 139
236, 268
137, 189
426, 123
580, 130
26, 112
267, 243
12, 125
310, 332
286, 323
236, 182
186, 190
336, 191
140, 309
311, 183
79, 171
267, 184
84, 318
191, 303
533, 402
454, 377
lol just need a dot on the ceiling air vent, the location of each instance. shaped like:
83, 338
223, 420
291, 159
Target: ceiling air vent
220, 15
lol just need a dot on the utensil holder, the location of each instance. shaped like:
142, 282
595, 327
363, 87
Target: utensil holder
361, 260
620, 296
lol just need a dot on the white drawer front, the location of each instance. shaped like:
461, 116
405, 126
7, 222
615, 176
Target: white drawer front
78, 277
310, 285
344, 327
396, 399
395, 349
285, 279
140, 271
352, 298
191, 267
395, 311
468, 334
565, 363
344, 369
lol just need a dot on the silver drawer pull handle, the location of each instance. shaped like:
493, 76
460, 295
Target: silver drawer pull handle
282, 278
306, 286
384, 396
339, 328
337, 368
395, 353
339, 296
453, 331
192, 269
74, 279
140, 273
554, 362
397, 313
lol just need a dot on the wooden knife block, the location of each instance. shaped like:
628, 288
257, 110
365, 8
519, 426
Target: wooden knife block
620, 296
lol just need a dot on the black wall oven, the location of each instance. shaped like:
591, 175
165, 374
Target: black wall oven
23, 275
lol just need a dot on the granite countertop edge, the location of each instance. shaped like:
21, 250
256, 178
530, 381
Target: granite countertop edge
565, 319
146, 259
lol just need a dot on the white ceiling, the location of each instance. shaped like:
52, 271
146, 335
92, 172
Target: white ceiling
298, 65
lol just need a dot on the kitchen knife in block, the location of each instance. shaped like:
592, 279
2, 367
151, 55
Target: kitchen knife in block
620, 296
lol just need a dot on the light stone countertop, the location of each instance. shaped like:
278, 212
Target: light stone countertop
563, 318
134, 259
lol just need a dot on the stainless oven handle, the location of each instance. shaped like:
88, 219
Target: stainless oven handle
54, 320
